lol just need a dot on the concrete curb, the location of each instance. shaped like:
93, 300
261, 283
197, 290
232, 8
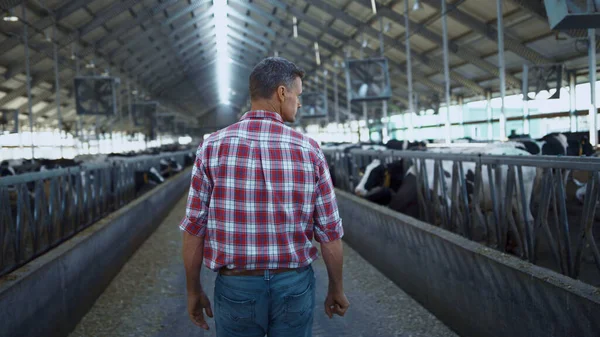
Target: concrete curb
473, 289
49, 295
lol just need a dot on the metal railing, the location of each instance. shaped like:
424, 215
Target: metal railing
40, 210
516, 204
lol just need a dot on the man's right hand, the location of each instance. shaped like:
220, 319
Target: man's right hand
336, 303
196, 303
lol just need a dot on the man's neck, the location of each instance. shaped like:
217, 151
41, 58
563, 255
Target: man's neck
263, 105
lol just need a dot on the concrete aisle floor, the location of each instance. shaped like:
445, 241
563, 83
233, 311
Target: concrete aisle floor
147, 297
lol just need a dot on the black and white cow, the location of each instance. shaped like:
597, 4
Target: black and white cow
380, 181
395, 184
346, 161
558, 144
169, 167
561, 144
394, 144
147, 179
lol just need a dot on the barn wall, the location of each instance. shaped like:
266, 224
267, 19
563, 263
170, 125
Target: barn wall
473, 289
48, 296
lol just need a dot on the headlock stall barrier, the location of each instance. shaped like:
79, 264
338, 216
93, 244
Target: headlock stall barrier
40, 210
522, 205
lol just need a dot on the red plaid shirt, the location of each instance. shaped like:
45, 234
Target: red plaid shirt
259, 192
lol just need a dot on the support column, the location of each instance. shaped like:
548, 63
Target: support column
77, 72
349, 116
384, 131
525, 89
336, 101
446, 73
461, 108
384, 112
593, 119
28, 79
129, 103
325, 92
490, 115
573, 100
366, 118
411, 107
501, 68
57, 87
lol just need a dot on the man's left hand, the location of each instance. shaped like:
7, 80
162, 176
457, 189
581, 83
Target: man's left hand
197, 302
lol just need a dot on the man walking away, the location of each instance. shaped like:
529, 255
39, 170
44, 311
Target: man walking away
259, 193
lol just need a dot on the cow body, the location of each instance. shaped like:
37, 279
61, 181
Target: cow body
398, 188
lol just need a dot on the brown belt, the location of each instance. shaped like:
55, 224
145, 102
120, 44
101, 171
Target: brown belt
256, 272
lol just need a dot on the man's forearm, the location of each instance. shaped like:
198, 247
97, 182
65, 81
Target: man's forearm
333, 256
193, 253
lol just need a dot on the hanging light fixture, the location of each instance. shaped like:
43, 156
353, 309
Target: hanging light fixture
417, 6
374, 6
11, 17
295, 22
387, 27
317, 55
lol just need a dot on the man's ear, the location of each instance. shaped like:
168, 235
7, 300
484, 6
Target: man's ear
281, 92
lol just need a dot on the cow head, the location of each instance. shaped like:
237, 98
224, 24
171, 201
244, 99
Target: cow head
361, 189
579, 147
381, 175
586, 148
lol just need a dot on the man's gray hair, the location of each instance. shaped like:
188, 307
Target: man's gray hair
269, 74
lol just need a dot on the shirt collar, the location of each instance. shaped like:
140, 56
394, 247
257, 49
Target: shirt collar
261, 114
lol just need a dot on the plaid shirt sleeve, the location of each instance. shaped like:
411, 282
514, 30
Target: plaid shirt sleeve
328, 224
196, 213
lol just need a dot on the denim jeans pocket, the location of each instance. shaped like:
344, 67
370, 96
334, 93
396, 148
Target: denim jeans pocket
236, 314
299, 307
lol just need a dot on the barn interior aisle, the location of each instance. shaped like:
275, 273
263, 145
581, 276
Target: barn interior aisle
147, 298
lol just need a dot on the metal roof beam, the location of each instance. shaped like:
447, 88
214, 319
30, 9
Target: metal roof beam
240, 30
188, 58
63, 11
209, 12
278, 22
233, 25
252, 22
134, 40
304, 61
124, 28
490, 32
44, 53
137, 54
285, 40
169, 44
243, 40
350, 40
143, 39
460, 51
361, 26
139, 65
105, 15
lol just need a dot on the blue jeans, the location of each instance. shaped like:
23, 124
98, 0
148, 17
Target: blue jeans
277, 305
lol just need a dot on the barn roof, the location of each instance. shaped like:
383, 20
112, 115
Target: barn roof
165, 50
